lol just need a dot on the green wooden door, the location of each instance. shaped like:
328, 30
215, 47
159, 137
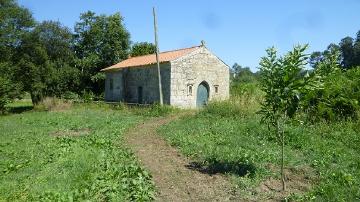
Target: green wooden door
202, 95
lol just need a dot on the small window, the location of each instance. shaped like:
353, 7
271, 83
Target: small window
111, 84
216, 88
190, 89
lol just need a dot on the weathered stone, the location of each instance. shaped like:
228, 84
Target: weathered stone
192, 69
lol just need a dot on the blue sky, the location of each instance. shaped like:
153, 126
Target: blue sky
236, 31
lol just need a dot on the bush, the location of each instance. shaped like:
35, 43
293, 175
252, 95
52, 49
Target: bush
337, 100
68, 95
87, 96
8, 91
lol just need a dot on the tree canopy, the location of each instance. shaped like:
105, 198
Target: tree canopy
48, 59
349, 51
45, 61
142, 48
242, 74
99, 41
15, 23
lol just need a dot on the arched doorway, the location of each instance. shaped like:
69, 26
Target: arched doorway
202, 95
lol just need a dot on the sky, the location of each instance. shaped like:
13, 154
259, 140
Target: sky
235, 30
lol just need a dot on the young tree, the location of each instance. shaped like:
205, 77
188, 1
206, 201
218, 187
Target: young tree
99, 41
282, 82
142, 48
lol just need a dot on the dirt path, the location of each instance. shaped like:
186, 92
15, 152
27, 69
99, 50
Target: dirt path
173, 179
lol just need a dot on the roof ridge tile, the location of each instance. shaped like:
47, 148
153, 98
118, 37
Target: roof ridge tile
149, 59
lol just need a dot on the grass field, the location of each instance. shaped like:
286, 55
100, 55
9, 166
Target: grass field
78, 154
323, 158
69, 155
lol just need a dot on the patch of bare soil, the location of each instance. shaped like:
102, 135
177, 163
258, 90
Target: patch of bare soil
71, 133
174, 180
298, 181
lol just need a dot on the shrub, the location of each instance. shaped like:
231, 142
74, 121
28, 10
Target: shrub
68, 95
337, 100
87, 96
8, 91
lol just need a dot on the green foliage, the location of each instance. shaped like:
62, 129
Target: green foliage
349, 50
223, 109
100, 41
5, 90
241, 147
234, 145
338, 96
142, 48
238, 106
74, 155
249, 93
9, 89
157, 110
154, 110
242, 75
244, 89
44, 62
87, 96
282, 83
15, 22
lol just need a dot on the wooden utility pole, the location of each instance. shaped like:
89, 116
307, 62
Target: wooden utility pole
157, 58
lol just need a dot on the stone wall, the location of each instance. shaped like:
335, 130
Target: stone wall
117, 92
144, 77
194, 68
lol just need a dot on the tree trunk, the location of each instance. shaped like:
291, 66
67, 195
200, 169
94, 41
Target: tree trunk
282, 161
280, 132
35, 98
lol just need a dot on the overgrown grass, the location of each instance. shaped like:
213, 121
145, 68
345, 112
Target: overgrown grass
70, 155
228, 138
154, 110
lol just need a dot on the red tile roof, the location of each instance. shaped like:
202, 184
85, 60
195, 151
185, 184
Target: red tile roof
151, 59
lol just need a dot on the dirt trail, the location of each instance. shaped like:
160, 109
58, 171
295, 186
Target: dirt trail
173, 179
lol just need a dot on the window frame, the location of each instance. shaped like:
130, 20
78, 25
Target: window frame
216, 89
190, 89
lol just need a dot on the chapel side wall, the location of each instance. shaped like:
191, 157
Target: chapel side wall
194, 68
115, 94
147, 78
